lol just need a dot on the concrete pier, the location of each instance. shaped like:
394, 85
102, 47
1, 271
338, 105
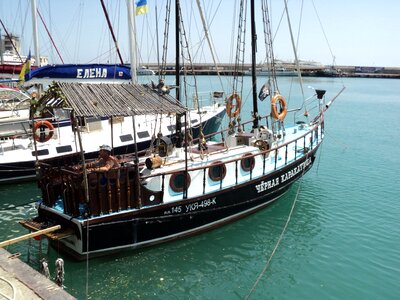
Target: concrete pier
20, 281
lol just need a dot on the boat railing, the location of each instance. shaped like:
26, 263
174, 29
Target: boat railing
13, 129
123, 188
108, 192
280, 156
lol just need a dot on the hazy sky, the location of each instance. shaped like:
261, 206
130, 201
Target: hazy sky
358, 32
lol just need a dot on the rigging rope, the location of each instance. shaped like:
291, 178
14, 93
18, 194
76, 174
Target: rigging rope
240, 49
87, 261
295, 53
323, 30
270, 57
111, 31
280, 237
165, 43
185, 47
208, 37
51, 38
11, 40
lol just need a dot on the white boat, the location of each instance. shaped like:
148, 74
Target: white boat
50, 136
279, 71
14, 107
180, 188
144, 71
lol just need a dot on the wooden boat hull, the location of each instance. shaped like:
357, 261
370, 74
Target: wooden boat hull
132, 229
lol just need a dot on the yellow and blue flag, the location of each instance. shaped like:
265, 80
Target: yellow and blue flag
26, 68
141, 7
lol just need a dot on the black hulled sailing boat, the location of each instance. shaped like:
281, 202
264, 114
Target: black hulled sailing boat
178, 190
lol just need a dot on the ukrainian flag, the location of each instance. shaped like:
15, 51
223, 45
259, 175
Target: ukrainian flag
141, 7
26, 68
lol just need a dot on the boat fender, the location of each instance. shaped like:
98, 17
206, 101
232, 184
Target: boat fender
59, 279
153, 162
229, 105
44, 268
283, 107
41, 136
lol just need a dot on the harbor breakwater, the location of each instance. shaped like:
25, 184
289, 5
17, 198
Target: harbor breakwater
316, 70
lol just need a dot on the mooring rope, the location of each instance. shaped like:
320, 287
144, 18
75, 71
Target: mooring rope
280, 238
87, 261
12, 287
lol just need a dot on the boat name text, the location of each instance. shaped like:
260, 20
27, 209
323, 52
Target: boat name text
266, 185
91, 73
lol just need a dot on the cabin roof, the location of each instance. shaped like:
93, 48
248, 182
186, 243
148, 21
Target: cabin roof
106, 100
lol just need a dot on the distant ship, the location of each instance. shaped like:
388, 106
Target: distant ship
280, 71
144, 71
11, 61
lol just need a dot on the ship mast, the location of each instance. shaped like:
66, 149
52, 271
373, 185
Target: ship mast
132, 39
35, 35
177, 72
253, 63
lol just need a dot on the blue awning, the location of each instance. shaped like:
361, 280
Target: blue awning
79, 73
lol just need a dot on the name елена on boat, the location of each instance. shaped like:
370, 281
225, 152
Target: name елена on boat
91, 73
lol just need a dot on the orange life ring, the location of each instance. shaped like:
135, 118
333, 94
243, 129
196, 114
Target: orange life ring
42, 137
230, 106
274, 111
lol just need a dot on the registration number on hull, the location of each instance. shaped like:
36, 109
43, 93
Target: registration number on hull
191, 206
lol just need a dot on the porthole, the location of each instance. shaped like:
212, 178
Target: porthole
176, 182
247, 162
217, 171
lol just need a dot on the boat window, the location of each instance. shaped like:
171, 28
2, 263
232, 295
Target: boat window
62, 149
247, 162
126, 137
25, 104
62, 114
194, 121
143, 134
171, 128
176, 182
217, 171
41, 152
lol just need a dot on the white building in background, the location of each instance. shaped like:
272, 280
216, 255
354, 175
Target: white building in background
9, 56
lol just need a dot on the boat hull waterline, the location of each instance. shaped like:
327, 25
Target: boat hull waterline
135, 229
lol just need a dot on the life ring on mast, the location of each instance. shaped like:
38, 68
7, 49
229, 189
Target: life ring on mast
283, 107
42, 136
229, 105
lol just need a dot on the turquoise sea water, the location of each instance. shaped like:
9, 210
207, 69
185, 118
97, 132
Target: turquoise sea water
342, 242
